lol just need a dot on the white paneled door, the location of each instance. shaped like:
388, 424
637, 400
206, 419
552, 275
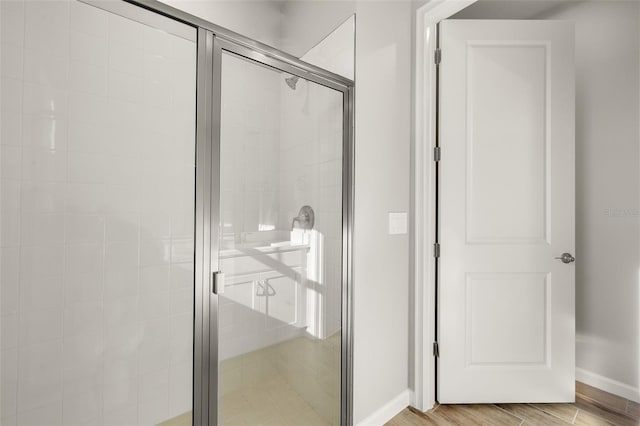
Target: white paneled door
506, 302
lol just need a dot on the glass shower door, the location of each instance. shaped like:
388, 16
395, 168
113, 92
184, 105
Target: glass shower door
98, 149
281, 242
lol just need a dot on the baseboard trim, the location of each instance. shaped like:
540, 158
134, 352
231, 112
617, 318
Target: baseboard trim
608, 385
388, 411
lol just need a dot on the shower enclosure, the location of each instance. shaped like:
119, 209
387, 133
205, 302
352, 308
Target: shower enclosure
176, 222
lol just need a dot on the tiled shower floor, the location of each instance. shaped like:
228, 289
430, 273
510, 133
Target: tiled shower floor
295, 383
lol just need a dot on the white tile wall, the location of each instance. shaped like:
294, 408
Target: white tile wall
281, 149
336, 53
311, 173
97, 157
250, 135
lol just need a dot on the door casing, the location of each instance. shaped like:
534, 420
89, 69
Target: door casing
423, 289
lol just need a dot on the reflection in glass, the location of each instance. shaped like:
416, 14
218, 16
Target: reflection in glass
281, 247
97, 216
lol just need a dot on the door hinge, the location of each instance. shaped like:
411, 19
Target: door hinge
437, 154
437, 56
436, 250
436, 350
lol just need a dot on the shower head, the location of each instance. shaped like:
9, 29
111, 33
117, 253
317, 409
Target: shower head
291, 82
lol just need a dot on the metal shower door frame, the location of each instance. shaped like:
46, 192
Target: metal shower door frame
216, 47
211, 41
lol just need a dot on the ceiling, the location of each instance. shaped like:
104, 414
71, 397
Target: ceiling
512, 9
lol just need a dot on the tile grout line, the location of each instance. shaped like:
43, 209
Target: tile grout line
575, 416
628, 410
589, 402
552, 414
508, 412
593, 399
470, 411
604, 407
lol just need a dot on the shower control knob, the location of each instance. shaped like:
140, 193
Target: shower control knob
566, 258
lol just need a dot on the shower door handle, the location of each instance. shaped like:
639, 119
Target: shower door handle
218, 282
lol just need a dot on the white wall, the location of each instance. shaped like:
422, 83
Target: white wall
337, 51
307, 23
607, 189
607, 182
382, 183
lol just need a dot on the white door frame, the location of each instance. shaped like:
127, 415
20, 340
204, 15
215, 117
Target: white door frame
423, 207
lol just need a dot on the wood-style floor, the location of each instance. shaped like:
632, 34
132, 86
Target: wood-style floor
592, 407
